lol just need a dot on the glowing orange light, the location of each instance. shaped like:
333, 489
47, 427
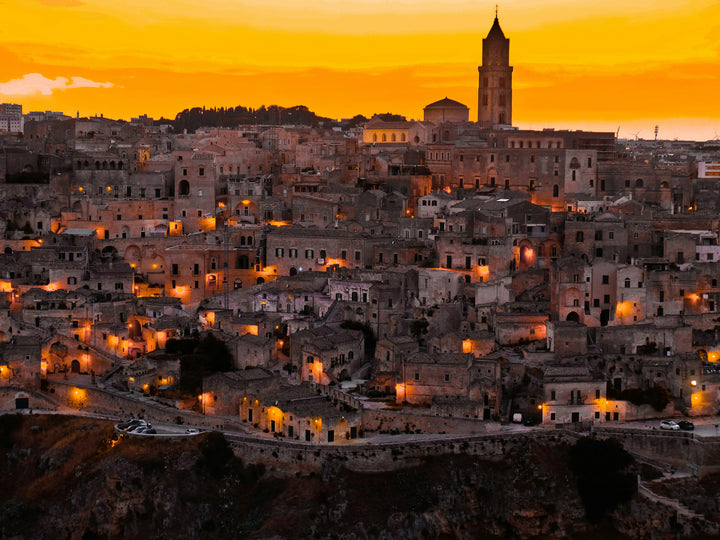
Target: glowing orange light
80, 188
109, 188
252, 329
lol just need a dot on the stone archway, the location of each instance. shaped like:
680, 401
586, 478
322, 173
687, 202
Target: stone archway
573, 317
75, 366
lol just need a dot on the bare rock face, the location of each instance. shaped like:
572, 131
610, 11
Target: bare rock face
70, 479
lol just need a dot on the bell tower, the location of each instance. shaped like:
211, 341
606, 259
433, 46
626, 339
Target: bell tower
495, 82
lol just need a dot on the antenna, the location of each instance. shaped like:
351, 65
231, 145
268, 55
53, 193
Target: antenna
496, 11
657, 128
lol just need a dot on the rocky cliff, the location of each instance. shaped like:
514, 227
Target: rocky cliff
64, 477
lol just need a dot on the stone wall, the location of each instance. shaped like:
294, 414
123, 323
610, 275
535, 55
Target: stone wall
700, 454
409, 421
293, 456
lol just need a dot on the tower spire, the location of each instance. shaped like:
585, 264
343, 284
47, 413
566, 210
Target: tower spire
496, 11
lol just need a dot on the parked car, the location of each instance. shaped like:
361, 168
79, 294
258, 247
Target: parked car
686, 425
192, 431
130, 424
669, 424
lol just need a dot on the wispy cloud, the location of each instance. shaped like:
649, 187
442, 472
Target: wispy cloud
34, 83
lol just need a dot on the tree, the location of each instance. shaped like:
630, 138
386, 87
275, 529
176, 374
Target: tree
600, 469
216, 453
199, 358
419, 328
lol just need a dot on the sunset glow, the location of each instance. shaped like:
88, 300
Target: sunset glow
578, 65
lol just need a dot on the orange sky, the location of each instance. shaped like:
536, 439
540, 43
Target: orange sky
578, 64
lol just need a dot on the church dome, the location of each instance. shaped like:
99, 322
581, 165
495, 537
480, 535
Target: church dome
446, 110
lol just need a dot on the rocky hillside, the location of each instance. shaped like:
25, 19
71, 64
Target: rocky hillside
64, 477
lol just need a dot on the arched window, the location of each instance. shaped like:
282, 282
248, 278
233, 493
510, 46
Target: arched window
402, 137
374, 137
249, 240
556, 190
392, 137
384, 138
184, 188
639, 182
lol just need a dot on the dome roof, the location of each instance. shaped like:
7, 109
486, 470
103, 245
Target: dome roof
446, 103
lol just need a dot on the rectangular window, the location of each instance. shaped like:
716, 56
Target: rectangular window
343, 254
201, 171
309, 253
606, 279
417, 375
279, 252
357, 255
